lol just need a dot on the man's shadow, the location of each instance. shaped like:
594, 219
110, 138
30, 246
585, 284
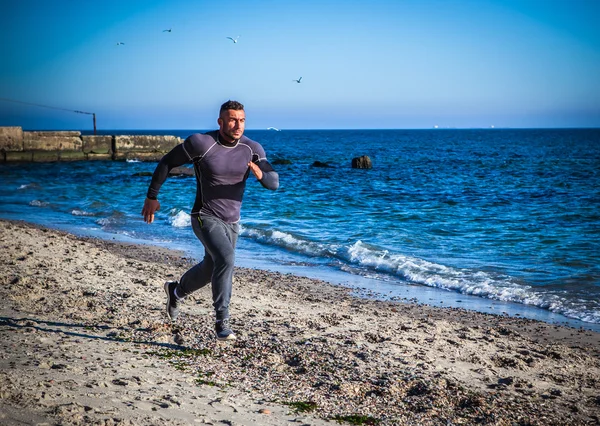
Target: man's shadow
22, 323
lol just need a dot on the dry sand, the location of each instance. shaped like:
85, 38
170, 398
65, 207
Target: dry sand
85, 340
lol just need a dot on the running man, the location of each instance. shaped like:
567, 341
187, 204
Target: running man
223, 160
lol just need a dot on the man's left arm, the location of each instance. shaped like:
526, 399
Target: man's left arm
264, 172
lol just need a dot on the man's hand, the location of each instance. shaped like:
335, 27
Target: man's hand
256, 170
150, 207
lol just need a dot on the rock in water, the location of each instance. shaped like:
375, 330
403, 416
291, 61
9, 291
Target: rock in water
363, 162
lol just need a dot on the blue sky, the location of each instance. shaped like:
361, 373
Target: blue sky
364, 64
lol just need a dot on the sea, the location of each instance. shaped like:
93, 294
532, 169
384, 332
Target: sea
502, 221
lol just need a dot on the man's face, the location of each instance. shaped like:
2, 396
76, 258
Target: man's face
232, 123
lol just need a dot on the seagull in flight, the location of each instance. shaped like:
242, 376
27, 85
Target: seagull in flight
299, 80
234, 39
167, 31
120, 42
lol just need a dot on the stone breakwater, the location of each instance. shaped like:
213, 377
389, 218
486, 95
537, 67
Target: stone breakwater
17, 145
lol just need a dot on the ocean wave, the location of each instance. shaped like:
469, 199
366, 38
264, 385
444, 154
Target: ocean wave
287, 241
180, 219
77, 212
361, 258
38, 203
29, 186
470, 282
116, 218
133, 161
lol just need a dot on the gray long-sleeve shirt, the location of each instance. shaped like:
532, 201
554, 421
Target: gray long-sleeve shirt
221, 172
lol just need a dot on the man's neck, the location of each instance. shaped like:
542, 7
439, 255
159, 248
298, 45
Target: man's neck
223, 138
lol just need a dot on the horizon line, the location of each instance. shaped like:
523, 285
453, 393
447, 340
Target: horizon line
311, 129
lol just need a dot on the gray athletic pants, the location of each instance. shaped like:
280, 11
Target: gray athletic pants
219, 240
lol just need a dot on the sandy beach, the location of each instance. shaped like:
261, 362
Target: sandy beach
86, 341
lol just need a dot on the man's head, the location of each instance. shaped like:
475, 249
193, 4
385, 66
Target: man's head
232, 120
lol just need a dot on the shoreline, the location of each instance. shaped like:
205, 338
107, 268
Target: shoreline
361, 286
88, 341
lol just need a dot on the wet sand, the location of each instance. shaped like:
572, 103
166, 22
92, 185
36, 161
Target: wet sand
86, 341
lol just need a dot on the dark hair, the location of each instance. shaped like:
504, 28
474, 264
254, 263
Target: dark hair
235, 105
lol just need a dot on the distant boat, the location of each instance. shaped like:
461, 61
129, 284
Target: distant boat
273, 128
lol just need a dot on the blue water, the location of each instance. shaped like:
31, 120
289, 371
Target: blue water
504, 221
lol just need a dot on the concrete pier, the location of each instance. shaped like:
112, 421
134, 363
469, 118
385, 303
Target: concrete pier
18, 145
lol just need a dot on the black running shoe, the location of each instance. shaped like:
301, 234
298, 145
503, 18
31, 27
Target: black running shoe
223, 330
172, 302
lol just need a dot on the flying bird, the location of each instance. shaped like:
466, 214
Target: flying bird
167, 31
299, 80
234, 39
120, 42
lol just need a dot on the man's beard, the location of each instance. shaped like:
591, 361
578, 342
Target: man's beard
231, 136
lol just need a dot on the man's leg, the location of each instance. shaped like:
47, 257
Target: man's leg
219, 239
199, 275
194, 279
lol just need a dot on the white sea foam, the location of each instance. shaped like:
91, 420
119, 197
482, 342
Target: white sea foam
287, 241
180, 220
77, 212
133, 161
476, 283
38, 203
105, 221
116, 218
29, 185
419, 271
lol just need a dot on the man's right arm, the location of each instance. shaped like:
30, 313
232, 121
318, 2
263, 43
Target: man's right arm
174, 158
